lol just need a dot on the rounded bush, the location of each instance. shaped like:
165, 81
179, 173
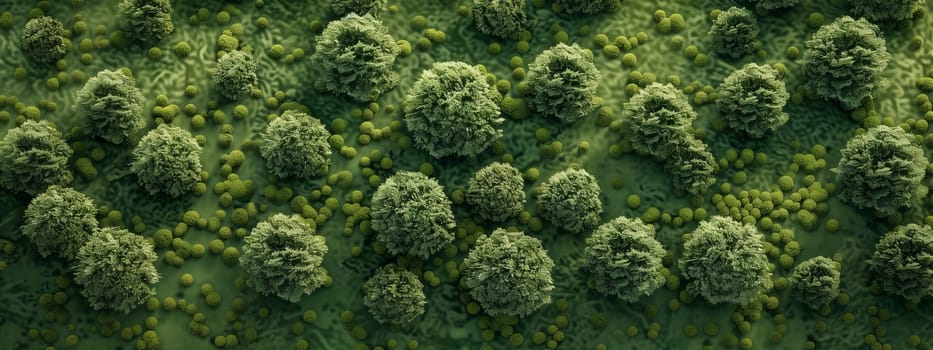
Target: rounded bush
168, 161
657, 119
33, 156
111, 106
147, 21
115, 270
570, 200
496, 192
355, 56
283, 257
562, 82
816, 282
60, 221
624, 259
882, 169
903, 262
752, 100
734, 32
296, 144
508, 273
411, 215
43, 40
691, 165
394, 295
360, 7
500, 18
880, 11
586, 7
235, 75
453, 110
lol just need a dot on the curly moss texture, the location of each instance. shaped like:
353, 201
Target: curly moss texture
658, 118
752, 100
500, 18
887, 10
624, 259
33, 156
394, 295
167, 161
725, 261
355, 56
453, 110
360, 7
844, 61
734, 32
111, 106
147, 21
296, 145
691, 166
882, 169
586, 7
562, 82
903, 262
115, 270
570, 200
412, 215
816, 282
508, 273
235, 74
283, 257
43, 40
60, 221
774, 4
496, 192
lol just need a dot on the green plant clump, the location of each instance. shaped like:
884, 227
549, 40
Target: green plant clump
725, 261
43, 40
394, 295
882, 169
147, 21
453, 110
570, 200
624, 259
657, 119
360, 7
59, 221
33, 156
903, 262
774, 4
496, 192
562, 82
283, 257
412, 215
499, 18
508, 273
586, 7
111, 106
115, 270
355, 56
881, 11
691, 166
235, 75
816, 282
752, 100
734, 32
167, 160
296, 144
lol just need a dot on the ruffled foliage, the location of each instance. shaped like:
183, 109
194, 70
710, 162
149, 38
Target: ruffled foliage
355, 56
903, 262
115, 270
283, 257
359, 7
168, 161
43, 40
752, 100
296, 145
499, 18
33, 156
496, 192
691, 166
235, 75
394, 295
880, 11
562, 82
111, 106
60, 221
147, 21
570, 200
624, 259
412, 215
816, 282
735, 32
657, 119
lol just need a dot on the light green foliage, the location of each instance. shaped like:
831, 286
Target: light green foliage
725, 261
453, 110
496, 192
569, 200
499, 18
773, 4
111, 106
586, 7
624, 259
59, 221
657, 118
115, 270
887, 10
752, 100
147, 21
235, 75
562, 82
412, 215
33, 156
394, 295
816, 282
355, 56
691, 165
844, 61
903, 262
734, 32
882, 169
43, 40
167, 160
283, 257
508, 273
295, 145
360, 7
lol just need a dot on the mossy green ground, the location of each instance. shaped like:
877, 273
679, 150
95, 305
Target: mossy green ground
581, 318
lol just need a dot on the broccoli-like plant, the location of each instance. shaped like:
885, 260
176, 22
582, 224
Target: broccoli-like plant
235, 75
570, 200
283, 257
453, 110
360, 7
33, 156
624, 259
296, 145
734, 32
887, 10
355, 56
586, 7
725, 261
499, 18
111, 106
882, 169
844, 61
508, 273
59, 221
412, 215
147, 21
496, 192
773, 4
394, 295
816, 282
115, 270
43, 40
167, 160
903, 262
691, 165
657, 118
562, 82
752, 100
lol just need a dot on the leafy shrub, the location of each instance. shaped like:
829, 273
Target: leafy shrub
816, 282
499, 18
752, 100
115, 270
562, 82
111, 106
235, 75
412, 215
296, 145
43, 40
355, 56
147, 21
33, 156
903, 262
624, 259
59, 221
167, 160
570, 200
734, 32
394, 295
496, 192
283, 257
